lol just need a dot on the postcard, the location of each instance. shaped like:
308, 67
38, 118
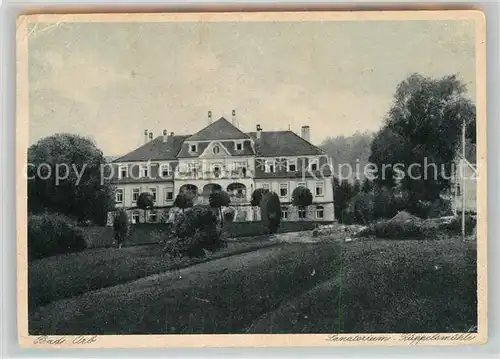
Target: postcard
251, 179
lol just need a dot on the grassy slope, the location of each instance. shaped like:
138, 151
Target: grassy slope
68, 275
388, 286
221, 296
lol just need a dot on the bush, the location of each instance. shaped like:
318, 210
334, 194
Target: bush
398, 230
257, 196
195, 230
270, 209
455, 225
50, 234
229, 214
121, 227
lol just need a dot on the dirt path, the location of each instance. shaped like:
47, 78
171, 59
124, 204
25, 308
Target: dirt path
222, 296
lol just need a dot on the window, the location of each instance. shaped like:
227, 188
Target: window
192, 148
320, 212
302, 184
152, 217
165, 170
123, 171
216, 169
153, 192
319, 189
284, 213
269, 166
135, 217
313, 165
283, 189
292, 165
193, 169
135, 194
238, 146
169, 195
119, 195
302, 213
266, 186
144, 171
216, 149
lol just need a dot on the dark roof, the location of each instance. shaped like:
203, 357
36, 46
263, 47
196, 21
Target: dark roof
229, 145
271, 143
221, 129
283, 143
155, 149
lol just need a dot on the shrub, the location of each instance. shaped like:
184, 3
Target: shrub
50, 234
398, 230
270, 208
302, 197
257, 196
195, 230
229, 214
455, 225
217, 200
121, 227
184, 200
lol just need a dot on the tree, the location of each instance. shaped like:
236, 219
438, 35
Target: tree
351, 150
145, 201
423, 126
270, 208
302, 197
257, 196
121, 227
64, 175
219, 199
183, 201
342, 193
367, 186
356, 187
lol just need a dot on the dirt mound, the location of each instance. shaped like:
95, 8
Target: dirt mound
404, 217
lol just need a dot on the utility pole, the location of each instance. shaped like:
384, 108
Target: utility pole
463, 179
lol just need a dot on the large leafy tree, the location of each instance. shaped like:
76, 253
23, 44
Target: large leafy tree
64, 175
145, 201
423, 127
302, 197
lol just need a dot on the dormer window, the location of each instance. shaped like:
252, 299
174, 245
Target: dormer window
123, 171
238, 146
269, 166
193, 148
313, 165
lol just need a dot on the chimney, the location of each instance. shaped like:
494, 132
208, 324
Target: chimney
165, 135
306, 133
209, 117
150, 136
145, 136
259, 131
234, 118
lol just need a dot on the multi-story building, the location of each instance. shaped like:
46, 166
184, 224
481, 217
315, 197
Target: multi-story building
221, 156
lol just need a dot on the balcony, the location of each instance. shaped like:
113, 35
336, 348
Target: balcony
211, 175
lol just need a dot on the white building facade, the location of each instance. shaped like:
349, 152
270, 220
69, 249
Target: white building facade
221, 157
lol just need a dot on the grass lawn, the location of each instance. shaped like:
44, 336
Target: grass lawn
388, 286
221, 296
68, 275
354, 287
149, 233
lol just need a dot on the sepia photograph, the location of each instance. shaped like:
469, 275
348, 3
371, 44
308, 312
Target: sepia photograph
236, 179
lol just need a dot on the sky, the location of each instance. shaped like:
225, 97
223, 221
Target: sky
110, 81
